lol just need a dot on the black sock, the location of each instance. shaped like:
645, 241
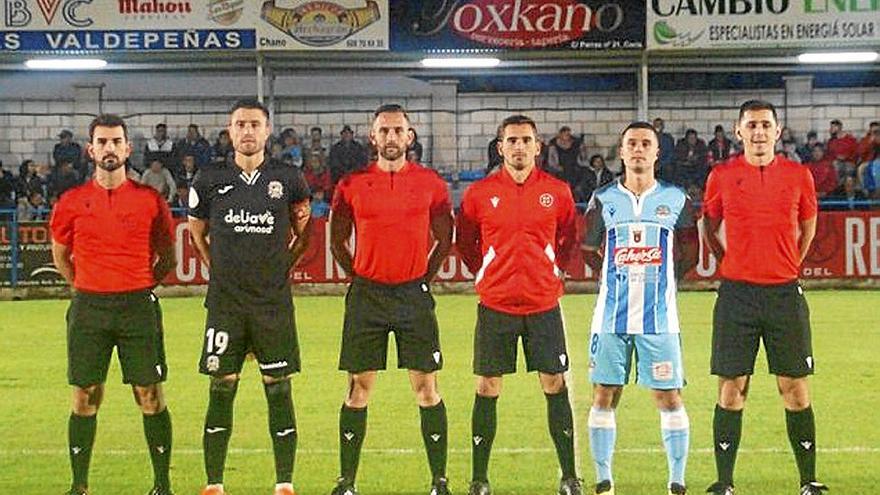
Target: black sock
483, 425
157, 430
352, 430
727, 427
434, 433
561, 424
218, 428
81, 437
802, 435
282, 428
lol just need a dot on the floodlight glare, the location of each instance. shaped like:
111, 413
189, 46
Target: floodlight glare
837, 57
460, 63
65, 63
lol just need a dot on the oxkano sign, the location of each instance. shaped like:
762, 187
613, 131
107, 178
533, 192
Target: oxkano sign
517, 25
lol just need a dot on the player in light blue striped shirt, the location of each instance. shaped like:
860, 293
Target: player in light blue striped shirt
641, 237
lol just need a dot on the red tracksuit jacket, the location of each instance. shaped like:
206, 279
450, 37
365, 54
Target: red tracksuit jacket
514, 237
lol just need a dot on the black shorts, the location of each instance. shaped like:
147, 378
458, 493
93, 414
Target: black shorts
373, 310
497, 333
268, 331
747, 313
131, 322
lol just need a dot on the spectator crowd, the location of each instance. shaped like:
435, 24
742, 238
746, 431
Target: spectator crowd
846, 169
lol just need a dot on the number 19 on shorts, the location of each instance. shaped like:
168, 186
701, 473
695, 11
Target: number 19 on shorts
216, 341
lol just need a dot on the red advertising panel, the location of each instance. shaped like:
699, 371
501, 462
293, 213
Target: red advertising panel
847, 246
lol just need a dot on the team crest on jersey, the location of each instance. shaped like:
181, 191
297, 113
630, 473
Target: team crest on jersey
546, 200
276, 190
663, 211
637, 235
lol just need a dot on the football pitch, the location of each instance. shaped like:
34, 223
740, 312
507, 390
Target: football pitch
35, 404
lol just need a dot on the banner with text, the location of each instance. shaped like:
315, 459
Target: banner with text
847, 246
749, 24
323, 25
467, 25
149, 25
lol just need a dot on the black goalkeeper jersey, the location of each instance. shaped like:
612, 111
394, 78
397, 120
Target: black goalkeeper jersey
249, 229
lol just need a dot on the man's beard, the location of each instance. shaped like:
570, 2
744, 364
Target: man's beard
391, 153
110, 166
248, 153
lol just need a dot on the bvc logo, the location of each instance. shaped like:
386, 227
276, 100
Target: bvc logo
18, 13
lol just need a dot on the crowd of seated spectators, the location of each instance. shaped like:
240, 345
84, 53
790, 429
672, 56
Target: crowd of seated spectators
846, 169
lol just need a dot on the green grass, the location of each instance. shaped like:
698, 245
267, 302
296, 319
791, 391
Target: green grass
35, 400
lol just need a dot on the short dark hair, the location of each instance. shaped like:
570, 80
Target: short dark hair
836, 122
719, 128
107, 120
161, 125
757, 105
812, 134
874, 123
390, 108
640, 124
517, 120
250, 104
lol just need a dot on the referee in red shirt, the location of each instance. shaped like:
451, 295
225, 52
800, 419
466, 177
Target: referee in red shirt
515, 229
768, 205
399, 211
112, 240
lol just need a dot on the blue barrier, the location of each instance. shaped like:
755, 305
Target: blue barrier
13, 244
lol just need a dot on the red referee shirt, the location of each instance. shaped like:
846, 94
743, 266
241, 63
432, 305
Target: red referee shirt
514, 237
761, 207
114, 235
392, 214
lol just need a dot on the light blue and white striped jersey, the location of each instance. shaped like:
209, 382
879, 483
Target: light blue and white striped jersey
637, 283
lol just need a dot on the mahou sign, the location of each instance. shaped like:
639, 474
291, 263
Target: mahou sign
518, 24
847, 246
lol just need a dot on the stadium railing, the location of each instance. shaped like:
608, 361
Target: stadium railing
9, 222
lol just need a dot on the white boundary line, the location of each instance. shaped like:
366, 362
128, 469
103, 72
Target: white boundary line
421, 452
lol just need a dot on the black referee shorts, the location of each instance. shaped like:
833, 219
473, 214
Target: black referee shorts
131, 322
373, 310
747, 313
497, 335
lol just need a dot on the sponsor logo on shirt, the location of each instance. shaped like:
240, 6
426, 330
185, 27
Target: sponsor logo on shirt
638, 256
245, 222
663, 211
